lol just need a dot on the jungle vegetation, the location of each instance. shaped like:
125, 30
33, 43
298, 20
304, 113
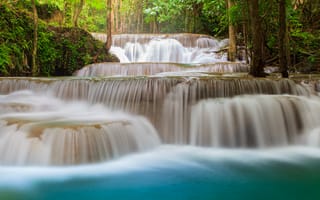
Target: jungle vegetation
283, 33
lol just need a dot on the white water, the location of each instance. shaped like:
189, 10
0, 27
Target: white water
158, 69
184, 104
153, 54
166, 157
39, 129
251, 121
172, 105
185, 39
181, 133
174, 172
179, 48
169, 50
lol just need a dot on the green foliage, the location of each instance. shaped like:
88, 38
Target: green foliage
47, 53
73, 45
5, 59
92, 17
14, 40
200, 16
304, 33
215, 17
61, 51
64, 50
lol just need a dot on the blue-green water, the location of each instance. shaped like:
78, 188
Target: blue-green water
172, 172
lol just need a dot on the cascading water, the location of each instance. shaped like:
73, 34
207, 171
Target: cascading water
187, 40
158, 69
166, 102
42, 130
255, 121
170, 49
160, 130
153, 54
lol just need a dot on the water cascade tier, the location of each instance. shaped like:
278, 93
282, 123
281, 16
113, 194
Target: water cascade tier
172, 48
168, 102
147, 69
172, 120
256, 121
186, 40
37, 129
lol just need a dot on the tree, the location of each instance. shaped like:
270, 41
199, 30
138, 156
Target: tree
232, 51
109, 26
257, 57
76, 13
66, 13
35, 39
283, 44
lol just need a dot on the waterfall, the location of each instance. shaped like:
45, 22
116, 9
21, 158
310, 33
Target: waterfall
255, 121
167, 89
165, 101
38, 129
151, 54
126, 90
172, 48
172, 111
177, 104
187, 40
169, 50
147, 69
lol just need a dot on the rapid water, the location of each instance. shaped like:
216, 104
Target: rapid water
39, 129
168, 48
165, 101
157, 53
160, 130
202, 147
159, 69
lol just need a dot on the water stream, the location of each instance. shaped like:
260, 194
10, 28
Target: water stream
170, 49
160, 129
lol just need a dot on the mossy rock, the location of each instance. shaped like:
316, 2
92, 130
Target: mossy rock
77, 48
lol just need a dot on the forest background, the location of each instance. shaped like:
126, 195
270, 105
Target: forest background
64, 44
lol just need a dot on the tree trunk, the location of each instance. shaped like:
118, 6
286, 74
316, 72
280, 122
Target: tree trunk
109, 26
117, 15
186, 21
232, 51
35, 39
112, 18
257, 63
283, 44
245, 37
142, 23
67, 13
194, 16
138, 22
77, 11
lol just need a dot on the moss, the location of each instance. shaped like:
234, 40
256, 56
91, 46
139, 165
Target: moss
61, 51
76, 48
